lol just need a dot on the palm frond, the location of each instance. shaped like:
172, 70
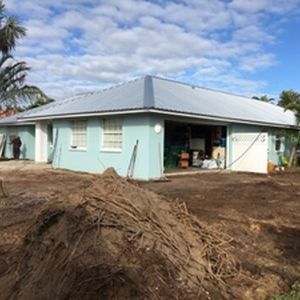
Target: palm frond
12, 79
4, 59
2, 8
10, 33
23, 94
11, 75
16, 72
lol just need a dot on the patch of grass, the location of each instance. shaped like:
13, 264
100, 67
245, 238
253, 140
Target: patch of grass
294, 294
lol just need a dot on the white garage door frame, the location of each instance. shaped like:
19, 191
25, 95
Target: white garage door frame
250, 152
41, 141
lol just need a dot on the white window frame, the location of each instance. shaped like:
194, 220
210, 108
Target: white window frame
78, 123
113, 131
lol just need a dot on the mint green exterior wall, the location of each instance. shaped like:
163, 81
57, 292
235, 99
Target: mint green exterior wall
27, 135
135, 127
273, 155
289, 134
149, 161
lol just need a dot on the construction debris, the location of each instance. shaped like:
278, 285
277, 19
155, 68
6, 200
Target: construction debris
115, 240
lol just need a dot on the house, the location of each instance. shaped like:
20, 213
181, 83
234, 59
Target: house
160, 119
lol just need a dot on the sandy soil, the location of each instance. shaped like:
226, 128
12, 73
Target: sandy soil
261, 214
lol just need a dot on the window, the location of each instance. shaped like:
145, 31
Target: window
78, 135
112, 134
278, 140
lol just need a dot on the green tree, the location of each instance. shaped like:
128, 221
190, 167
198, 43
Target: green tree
264, 98
291, 100
39, 102
289, 97
13, 73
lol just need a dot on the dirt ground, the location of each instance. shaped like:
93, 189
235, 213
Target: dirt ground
261, 213
28, 189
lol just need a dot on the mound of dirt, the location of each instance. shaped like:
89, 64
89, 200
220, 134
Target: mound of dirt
115, 240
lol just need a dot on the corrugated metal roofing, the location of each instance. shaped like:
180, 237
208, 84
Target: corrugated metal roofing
9, 120
127, 96
180, 97
13, 120
160, 94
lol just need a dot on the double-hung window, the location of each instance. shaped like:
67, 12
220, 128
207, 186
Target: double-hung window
112, 134
78, 134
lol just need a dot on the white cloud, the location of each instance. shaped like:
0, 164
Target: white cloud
258, 61
84, 44
253, 33
271, 6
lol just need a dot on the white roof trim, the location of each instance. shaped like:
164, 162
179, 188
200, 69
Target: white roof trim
227, 120
158, 111
83, 115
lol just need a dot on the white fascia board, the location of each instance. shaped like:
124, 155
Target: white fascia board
84, 115
220, 119
161, 112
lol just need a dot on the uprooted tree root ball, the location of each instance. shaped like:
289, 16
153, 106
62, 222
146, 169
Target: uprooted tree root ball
115, 240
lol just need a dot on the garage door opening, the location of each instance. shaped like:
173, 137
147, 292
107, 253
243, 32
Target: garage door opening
193, 147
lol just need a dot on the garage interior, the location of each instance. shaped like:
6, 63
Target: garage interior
191, 147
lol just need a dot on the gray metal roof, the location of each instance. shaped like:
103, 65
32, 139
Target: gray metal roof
127, 96
8, 120
13, 120
169, 96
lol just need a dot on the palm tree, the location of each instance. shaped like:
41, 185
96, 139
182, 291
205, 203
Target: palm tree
264, 98
39, 102
12, 73
291, 100
10, 31
289, 97
12, 82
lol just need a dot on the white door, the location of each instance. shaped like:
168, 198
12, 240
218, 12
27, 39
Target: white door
250, 152
41, 141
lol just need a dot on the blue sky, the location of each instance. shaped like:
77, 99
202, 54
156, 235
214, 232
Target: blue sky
248, 47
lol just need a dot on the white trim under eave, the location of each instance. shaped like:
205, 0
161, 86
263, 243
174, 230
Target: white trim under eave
162, 112
96, 114
225, 120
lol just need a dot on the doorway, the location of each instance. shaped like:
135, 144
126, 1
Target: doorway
193, 147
